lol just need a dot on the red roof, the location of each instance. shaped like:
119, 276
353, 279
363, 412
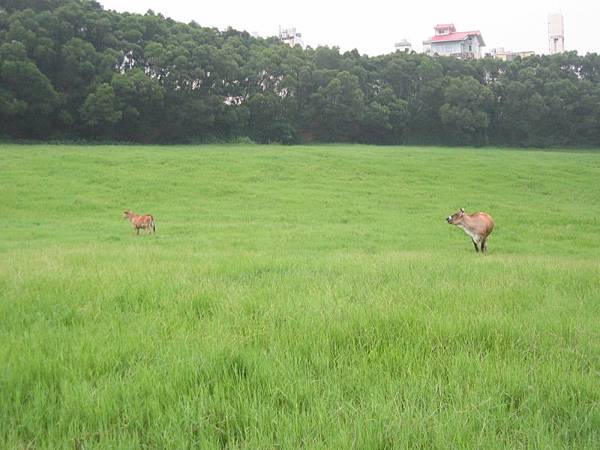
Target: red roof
457, 36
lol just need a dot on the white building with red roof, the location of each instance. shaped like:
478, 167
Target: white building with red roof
449, 42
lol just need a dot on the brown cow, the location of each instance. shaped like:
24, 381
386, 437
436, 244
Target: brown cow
145, 222
478, 226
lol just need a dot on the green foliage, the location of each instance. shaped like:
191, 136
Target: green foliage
178, 82
27, 98
100, 109
298, 297
465, 111
141, 98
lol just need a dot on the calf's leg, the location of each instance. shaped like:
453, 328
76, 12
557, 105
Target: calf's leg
475, 244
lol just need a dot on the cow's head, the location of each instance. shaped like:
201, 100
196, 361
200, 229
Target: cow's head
457, 217
126, 213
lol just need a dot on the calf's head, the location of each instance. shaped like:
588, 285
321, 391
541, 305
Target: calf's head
457, 217
126, 214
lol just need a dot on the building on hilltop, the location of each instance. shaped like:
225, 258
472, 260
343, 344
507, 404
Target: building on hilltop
403, 46
556, 33
507, 55
449, 42
290, 37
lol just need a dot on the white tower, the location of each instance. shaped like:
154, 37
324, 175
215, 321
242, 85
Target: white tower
403, 46
556, 33
290, 37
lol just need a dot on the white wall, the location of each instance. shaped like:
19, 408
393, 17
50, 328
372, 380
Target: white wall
445, 48
458, 47
475, 47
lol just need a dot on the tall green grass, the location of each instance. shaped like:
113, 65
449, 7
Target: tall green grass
298, 297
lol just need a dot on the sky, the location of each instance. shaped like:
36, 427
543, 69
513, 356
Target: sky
374, 26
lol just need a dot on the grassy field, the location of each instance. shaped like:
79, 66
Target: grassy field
298, 297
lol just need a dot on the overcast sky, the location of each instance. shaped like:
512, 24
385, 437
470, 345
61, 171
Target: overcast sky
373, 26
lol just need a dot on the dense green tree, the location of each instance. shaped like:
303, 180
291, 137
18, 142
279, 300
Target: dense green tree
70, 69
338, 108
100, 110
268, 116
465, 110
141, 100
27, 98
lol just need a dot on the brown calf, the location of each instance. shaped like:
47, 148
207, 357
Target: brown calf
145, 222
478, 226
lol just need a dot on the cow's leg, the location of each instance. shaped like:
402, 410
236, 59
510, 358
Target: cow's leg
475, 245
484, 246
137, 231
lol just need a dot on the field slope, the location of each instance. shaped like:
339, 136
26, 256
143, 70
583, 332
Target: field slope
298, 297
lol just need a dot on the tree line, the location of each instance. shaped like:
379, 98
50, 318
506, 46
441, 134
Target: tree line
71, 70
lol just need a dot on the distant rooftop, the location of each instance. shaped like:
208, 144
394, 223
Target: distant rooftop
457, 36
446, 32
403, 43
445, 25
